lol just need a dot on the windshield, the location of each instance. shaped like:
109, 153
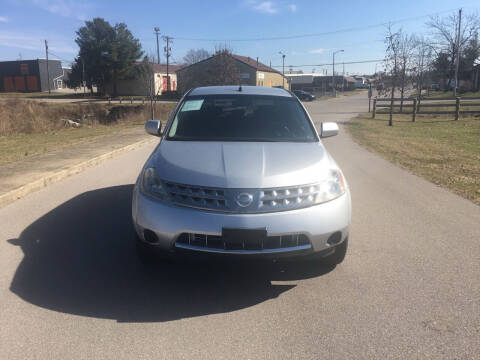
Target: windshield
241, 118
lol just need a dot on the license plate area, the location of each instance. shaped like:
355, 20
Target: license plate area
244, 239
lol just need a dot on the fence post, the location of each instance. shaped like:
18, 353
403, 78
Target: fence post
120, 98
374, 108
109, 100
131, 100
143, 101
414, 110
457, 108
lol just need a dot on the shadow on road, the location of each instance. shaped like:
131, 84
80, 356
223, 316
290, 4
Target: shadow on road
80, 259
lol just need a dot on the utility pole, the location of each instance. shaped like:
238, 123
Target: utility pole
457, 50
343, 78
283, 68
157, 31
333, 75
167, 49
48, 72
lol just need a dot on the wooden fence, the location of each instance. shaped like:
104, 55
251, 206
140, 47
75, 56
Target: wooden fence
459, 106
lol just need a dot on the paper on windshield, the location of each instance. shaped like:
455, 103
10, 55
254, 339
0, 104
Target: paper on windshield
192, 105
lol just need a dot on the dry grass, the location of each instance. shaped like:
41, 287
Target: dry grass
29, 128
19, 116
17, 147
444, 151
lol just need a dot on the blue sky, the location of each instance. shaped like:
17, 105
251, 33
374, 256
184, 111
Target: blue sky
25, 24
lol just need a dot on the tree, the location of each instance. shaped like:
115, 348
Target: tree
195, 55
106, 53
469, 57
442, 68
445, 33
146, 74
405, 54
125, 50
392, 60
223, 70
220, 69
421, 62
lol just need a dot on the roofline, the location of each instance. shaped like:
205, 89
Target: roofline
254, 67
234, 58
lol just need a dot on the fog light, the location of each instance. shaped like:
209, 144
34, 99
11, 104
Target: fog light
150, 236
335, 238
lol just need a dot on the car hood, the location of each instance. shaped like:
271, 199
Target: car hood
240, 164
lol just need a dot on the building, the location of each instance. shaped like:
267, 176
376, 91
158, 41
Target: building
30, 75
360, 82
300, 81
319, 83
250, 72
142, 86
341, 83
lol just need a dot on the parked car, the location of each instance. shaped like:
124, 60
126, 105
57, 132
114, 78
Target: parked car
303, 95
241, 171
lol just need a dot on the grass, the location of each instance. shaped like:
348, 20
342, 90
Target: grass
43, 95
442, 150
29, 128
449, 94
19, 146
72, 95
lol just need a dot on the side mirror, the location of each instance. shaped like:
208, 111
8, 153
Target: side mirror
329, 129
154, 127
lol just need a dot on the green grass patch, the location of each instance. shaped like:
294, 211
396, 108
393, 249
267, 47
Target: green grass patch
19, 146
442, 150
448, 94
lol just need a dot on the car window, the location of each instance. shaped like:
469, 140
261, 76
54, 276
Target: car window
241, 118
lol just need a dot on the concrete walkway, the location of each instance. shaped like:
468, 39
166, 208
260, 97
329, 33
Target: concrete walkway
19, 178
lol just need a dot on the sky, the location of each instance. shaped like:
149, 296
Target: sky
356, 26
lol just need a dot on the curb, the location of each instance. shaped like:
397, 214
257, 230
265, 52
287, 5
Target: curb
46, 180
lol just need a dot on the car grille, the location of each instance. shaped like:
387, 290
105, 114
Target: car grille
288, 198
223, 199
217, 242
195, 196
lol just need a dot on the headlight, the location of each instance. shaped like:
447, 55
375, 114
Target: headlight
152, 185
331, 187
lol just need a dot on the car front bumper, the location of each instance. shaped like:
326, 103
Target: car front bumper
168, 222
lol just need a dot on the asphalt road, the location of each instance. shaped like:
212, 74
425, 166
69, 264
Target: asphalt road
71, 287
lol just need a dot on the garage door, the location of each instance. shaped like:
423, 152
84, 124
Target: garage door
8, 84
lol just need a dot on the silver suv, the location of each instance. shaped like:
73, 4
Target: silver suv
241, 170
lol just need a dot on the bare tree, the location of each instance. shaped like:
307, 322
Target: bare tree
445, 31
392, 60
406, 45
223, 70
147, 77
220, 69
195, 55
421, 62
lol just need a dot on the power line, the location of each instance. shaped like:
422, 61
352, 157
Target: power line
289, 37
330, 64
59, 57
